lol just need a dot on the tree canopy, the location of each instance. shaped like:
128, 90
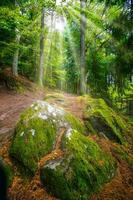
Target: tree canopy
82, 46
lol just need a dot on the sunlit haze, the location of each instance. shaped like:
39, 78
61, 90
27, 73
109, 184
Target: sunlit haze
60, 23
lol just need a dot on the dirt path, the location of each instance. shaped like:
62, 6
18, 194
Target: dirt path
75, 104
69, 102
12, 105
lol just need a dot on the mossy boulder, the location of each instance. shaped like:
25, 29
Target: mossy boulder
82, 170
101, 119
6, 174
37, 131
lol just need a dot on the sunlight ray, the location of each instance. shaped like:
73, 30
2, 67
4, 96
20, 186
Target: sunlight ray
70, 38
75, 15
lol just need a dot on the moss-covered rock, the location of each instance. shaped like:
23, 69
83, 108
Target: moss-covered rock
36, 133
82, 170
101, 119
6, 174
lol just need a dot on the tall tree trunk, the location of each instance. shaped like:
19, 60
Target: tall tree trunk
41, 64
82, 47
130, 106
16, 55
51, 44
131, 10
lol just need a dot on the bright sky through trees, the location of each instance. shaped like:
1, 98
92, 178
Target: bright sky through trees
60, 23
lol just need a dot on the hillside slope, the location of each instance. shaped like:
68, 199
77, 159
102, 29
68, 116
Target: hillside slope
120, 187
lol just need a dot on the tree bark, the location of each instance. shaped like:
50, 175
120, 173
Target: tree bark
51, 43
130, 107
16, 56
82, 47
131, 10
16, 53
41, 64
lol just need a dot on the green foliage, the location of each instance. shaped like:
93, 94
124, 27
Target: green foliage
82, 171
71, 59
121, 101
108, 44
7, 26
98, 71
7, 3
54, 72
108, 47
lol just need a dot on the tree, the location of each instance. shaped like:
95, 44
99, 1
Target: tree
82, 47
16, 54
45, 5
41, 63
52, 30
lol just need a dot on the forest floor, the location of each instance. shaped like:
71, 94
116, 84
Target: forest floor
11, 106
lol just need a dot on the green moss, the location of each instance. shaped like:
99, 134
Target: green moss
28, 148
82, 171
8, 171
56, 183
101, 118
36, 133
75, 123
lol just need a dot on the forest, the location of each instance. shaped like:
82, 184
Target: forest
66, 99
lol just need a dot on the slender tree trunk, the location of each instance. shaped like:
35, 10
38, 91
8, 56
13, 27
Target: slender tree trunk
16, 55
52, 28
130, 107
131, 10
82, 47
41, 64
51, 43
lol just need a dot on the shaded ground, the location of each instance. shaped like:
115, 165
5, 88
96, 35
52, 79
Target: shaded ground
11, 106
121, 186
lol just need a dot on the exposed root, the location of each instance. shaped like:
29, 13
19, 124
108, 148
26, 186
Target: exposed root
56, 153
